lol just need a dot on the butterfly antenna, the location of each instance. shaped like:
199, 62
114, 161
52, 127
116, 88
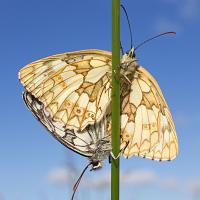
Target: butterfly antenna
165, 33
129, 25
75, 187
122, 50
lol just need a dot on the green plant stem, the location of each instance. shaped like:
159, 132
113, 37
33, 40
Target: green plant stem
115, 98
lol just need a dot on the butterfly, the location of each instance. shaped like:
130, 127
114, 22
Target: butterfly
70, 94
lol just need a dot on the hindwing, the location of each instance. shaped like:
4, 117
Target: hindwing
146, 123
86, 142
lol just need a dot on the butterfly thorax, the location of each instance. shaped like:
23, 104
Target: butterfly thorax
128, 68
129, 64
102, 152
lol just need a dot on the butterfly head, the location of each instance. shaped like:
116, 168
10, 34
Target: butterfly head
96, 165
128, 59
101, 152
131, 53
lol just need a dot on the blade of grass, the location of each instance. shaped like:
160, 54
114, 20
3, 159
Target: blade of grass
115, 98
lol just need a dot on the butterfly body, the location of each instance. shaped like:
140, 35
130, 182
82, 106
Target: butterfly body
102, 152
70, 94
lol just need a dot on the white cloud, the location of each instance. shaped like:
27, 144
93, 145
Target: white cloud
138, 177
98, 181
1, 197
143, 177
133, 177
189, 9
171, 183
164, 25
61, 176
184, 10
194, 186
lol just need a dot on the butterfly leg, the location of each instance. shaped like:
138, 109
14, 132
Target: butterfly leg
109, 159
120, 153
127, 79
113, 156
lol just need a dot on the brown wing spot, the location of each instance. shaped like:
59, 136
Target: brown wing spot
64, 85
131, 117
126, 137
82, 65
90, 114
59, 78
80, 91
126, 108
78, 111
153, 126
96, 90
162, 109
86, 84
124, 103
149, 100
68, 104
83, 71
89, 90
86, 88
145, 126
133, 109
104, 79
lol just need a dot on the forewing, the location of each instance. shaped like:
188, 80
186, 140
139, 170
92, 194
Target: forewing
83, 142
146, 123
74, 87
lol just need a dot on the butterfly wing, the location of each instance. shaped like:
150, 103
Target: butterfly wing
83, 142
146, 122
74, 87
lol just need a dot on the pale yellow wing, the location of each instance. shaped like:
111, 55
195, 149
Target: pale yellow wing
75, 87
146, 123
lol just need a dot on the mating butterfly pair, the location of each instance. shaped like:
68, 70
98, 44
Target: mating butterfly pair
70, 94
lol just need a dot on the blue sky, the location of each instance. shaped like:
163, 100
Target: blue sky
32, 163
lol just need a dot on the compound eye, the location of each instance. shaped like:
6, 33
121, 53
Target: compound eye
96, 165
124, 65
